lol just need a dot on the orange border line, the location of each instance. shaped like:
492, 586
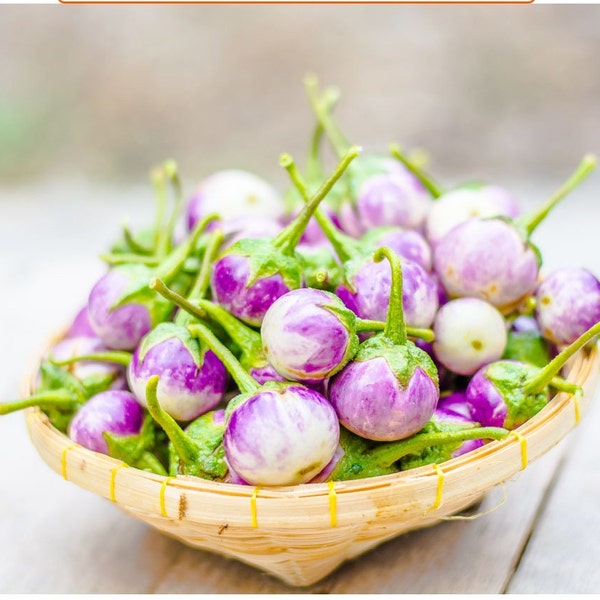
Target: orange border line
302, 2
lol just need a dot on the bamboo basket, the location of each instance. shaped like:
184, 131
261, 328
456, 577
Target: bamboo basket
301, 534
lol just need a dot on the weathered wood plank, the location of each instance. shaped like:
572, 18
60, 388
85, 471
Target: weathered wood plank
562, 554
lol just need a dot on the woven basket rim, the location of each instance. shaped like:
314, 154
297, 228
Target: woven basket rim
579, 371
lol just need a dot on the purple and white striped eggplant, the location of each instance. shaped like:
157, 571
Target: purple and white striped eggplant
81, 326
507, 393
390, 390
469, 333
192, 379
234, 194
493, 259
567, 304
446, 415
250, 275
309, 335
116, 412
277, 433
121, 307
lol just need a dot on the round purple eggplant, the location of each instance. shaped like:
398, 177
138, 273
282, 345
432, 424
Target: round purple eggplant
309, 335
193, 380
116, 412
567, 304
390, 390
493, 259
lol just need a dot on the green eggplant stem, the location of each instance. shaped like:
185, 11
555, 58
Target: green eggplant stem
542, 378
562, 385
185, 447
159, 286
200, 287
314, 170
158, 181
247, 339
119, 357
528, 223
395, 326
172, 173
112, 258
245, 382
287, 239
170, 267
426, 335
387, 454
133, 243
426, 180
321, 109
345, 247
50, 399
149, 462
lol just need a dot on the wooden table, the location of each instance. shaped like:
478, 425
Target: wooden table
58, 538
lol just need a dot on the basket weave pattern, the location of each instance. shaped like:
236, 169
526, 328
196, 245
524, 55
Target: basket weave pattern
302, 533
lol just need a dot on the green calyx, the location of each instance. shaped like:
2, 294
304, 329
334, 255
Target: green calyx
210, 462
246, 339
193, 457
139, 450
510, 379
542, 377
527, 346
166, 331
265, 260
403, 359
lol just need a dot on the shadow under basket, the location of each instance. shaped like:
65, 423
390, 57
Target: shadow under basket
301, 534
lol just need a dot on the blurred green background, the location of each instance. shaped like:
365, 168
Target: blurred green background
102, 93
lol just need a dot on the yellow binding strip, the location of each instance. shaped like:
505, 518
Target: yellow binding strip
113, 477
163, 489
63, 460
332, 503
523, 442
576, 404
253, 517
440, 486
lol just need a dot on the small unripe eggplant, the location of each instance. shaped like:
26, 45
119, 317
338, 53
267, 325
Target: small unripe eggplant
234, 194
469, 333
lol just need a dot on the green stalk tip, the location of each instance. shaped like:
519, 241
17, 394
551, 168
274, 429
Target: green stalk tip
395, 326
